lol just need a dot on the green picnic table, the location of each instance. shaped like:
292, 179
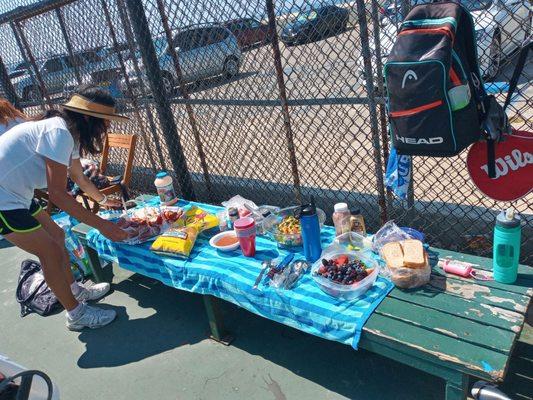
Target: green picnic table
452, 327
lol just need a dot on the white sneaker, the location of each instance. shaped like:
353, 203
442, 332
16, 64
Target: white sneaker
93, 291
91, 317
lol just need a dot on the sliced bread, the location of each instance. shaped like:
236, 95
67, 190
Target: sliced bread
392, 254
413, 254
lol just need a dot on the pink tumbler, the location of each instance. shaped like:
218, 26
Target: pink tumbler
245, 232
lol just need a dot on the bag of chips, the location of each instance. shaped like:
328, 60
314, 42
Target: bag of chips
178, 241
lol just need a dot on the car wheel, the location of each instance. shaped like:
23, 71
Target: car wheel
231, 67
495, 57
168, 83
33, 94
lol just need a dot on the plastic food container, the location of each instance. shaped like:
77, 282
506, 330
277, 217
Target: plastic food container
284, 240
216, 238
347, 292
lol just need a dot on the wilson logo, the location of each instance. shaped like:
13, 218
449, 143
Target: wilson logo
431, 140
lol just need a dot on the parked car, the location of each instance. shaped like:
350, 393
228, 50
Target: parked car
315, 24
58, 71
18, 69
249, 32
104, 70
501, 26
203, 52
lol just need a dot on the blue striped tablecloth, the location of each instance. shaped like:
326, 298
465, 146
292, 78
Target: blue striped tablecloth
230, 276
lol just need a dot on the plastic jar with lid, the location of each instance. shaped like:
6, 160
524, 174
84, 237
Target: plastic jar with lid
165, 188
341, 218
357, 222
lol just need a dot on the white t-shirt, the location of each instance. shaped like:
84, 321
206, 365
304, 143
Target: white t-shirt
23, 150
9, 125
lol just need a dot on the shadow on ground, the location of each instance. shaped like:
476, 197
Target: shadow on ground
179, 319
176, 319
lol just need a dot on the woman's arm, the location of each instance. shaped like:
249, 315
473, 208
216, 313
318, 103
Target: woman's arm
56, 175
85, 184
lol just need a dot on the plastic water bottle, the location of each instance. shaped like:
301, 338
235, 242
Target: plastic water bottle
75, 249
506, 246
310, 232
486, 391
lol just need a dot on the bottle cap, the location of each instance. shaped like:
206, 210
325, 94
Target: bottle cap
508, 219
341, 207
161, 174
355, 211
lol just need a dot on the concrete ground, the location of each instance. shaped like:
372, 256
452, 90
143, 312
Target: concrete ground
158, 349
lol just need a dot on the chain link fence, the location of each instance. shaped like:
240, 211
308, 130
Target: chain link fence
276, 101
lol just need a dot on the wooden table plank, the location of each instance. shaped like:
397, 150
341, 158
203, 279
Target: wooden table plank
456, 327
433, 299
436, 347
472, 290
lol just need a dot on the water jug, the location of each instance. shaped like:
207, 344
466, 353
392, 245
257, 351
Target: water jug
506, 246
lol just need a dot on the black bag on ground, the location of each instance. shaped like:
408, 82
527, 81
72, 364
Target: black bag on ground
33, 294
435, 93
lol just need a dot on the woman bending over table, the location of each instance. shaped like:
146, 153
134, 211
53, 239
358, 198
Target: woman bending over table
37, 154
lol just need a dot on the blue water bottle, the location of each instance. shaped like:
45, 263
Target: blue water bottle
310, 232
506, 246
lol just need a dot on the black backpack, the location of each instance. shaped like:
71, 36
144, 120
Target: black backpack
33, 294
436, 100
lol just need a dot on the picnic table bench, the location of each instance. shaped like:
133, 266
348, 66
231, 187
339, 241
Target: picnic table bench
452, 327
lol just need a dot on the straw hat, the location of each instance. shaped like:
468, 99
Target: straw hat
85, 106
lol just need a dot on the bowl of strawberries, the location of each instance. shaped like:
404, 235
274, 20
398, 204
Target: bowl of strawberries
345, 275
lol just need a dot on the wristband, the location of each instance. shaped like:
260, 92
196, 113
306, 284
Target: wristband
103, 201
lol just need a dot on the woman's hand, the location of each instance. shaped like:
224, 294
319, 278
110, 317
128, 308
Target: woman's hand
113, 232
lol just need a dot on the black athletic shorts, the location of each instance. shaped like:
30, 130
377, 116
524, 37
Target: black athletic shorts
21, 220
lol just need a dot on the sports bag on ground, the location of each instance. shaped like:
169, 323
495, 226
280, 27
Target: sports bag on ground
33, 294
435, 94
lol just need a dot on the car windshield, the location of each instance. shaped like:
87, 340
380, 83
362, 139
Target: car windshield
309, 16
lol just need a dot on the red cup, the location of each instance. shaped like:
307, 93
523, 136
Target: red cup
245, 232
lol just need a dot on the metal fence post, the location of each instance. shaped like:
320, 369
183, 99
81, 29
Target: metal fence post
381, 91
128, 33
33, 63
365, 49
7, 86
128, 84
70, 52
186, 97
273, 35
168, 125
24, 57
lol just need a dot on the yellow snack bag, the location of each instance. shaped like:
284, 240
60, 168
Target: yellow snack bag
177, 241
198, 218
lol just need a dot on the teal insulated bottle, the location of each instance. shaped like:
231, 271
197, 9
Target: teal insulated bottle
506, 246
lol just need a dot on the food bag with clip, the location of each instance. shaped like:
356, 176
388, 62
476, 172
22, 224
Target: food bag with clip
178, 241
407, 262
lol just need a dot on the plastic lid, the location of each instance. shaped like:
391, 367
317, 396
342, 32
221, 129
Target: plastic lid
508, 219
341, 207
355, 211
244, 223
161, 174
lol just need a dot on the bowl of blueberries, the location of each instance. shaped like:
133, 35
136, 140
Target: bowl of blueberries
346, 275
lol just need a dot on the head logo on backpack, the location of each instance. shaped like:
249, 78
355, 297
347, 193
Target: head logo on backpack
436, 101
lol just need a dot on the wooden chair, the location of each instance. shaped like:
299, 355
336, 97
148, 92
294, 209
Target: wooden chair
113, 140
